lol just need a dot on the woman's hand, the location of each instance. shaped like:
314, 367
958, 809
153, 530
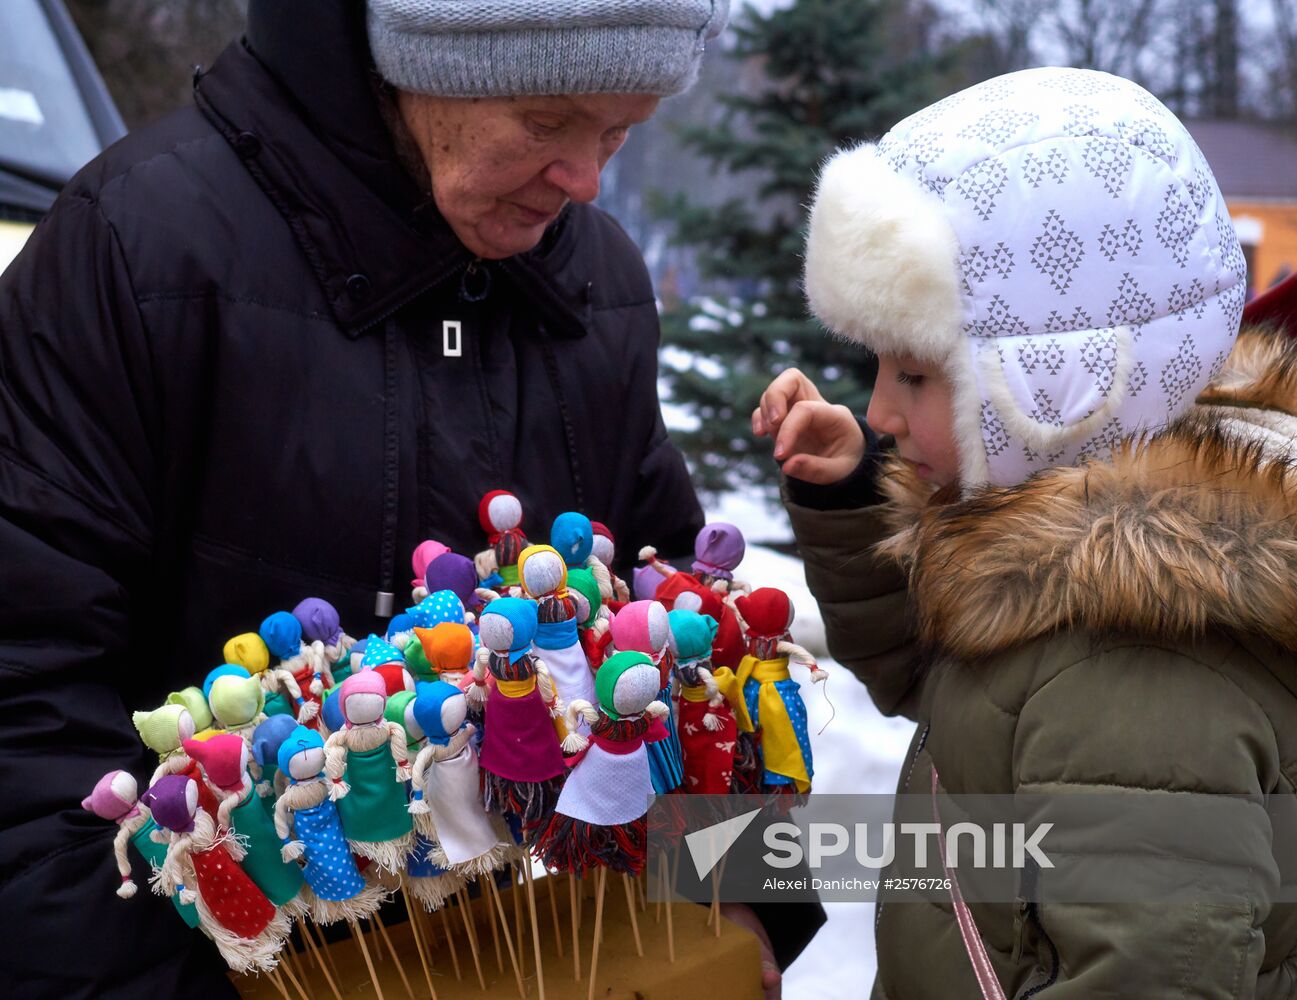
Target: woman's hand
743, 915
815, 440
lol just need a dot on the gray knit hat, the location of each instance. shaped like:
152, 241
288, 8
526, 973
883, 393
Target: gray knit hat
501, 48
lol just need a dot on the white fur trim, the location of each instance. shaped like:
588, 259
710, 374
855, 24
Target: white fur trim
882, 260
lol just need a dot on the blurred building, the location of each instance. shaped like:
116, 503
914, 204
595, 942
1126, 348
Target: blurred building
1256, 167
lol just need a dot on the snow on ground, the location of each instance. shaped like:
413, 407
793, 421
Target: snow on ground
856, 749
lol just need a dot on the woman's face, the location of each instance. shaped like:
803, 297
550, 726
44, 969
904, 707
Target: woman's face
503, 168
912, 401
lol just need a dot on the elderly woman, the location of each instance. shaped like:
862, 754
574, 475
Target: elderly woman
263, 347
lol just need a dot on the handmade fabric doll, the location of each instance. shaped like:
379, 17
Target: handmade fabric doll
773, 698
521, 758
307, 822
195, 702
457, 574
321, 624
643, 627
447, 800
400, 709
592, 617
449, 650
305, 663
689, 591
388, 662
367, 763
605, 550
116, 797
164, 730
711, 709
236, 699
283, 694
544, 579
599, 820
572, 535
424, 553
267, 738
500, 515
224, 761
247, 928
440, 606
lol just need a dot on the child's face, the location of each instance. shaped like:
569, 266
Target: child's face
912, 402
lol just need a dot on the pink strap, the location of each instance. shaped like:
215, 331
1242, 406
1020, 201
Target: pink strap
986, 981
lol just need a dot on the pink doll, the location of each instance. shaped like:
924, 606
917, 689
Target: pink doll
424, 553
367, 763
224, 760
248, 929
500, 515
643, 626
521, 759
544, 579
115, 798
307, 823
447, 799
599, 821
773, 699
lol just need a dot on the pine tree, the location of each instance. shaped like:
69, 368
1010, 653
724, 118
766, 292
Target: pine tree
830, 74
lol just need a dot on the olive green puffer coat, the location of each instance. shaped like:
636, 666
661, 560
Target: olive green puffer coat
1129, 628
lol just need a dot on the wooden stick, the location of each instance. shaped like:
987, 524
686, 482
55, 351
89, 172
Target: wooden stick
288, 971
318, 933
666, 891
504, 923
461, 896
517, 918
495, 928
319, 959
535, 927
639, 891
400, 966
273, 976
576, 938
630, 906
719, 873
553, 913
300, 926
423, 956
600, 880
450, 939
364, 950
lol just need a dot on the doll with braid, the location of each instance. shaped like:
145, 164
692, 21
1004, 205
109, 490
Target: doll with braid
367, 763
116, 798
521, 759
500, 515
248, 929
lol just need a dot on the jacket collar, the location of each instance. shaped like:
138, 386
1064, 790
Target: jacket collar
295, 100
1185, 530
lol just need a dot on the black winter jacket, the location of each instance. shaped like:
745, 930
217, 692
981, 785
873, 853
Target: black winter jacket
227, 382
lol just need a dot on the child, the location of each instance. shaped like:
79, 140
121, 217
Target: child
1091, 507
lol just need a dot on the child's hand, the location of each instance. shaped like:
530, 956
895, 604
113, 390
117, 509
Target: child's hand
815, 440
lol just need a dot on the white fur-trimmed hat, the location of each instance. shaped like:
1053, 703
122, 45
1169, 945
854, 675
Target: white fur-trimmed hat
1055, 239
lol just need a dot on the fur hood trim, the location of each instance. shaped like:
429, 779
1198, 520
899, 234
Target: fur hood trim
1191, 528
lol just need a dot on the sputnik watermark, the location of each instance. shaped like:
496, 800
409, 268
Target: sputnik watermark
785, 849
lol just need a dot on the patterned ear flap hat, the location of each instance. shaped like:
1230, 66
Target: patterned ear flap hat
1056, 241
